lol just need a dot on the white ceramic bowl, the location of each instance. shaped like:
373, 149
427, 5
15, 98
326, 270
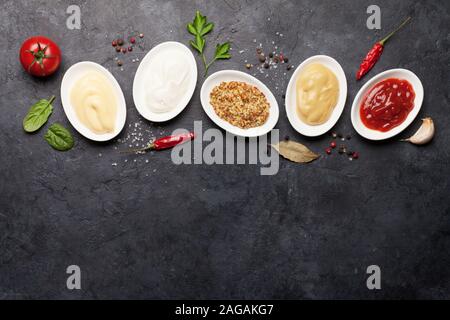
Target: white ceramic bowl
140, 86
394, 73
231, 75
71, 76
291, 98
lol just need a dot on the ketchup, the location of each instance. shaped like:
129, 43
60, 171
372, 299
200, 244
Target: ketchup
387, 104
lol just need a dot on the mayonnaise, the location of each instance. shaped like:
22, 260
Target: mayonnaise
167, 80
317, 94
95, 102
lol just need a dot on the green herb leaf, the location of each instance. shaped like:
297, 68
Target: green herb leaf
199, 21
38, 115
222, 51
191, 29
200, 43
207, 29
194, 45
199, 28
59, 138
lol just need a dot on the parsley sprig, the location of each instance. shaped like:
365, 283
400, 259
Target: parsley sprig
199, 28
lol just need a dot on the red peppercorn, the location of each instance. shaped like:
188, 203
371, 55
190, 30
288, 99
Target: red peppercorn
130, 48
133, 40
333, 145
124, 50
355, 155
328, 151
114, 43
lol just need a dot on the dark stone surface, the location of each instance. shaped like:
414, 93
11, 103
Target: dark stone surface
156, 230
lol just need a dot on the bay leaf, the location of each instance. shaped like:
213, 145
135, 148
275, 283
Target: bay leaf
295, 152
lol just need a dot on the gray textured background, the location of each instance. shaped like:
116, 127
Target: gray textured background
154, 230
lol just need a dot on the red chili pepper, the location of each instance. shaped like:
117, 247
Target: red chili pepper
172, 141
375, 53
166, 143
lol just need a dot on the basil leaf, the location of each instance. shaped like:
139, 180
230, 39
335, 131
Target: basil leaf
59, 138
38, 115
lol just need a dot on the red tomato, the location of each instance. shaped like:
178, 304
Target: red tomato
40, 56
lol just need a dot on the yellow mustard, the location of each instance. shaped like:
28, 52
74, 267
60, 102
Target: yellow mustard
317, 94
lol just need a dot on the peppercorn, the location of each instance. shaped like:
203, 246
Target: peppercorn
262, 58
248, 66
133, 40
124, 50
285, 59
119, 63
120, 42
266, 65
118, 48
271, 55
289, 68
333, 145
355, 155
114, 43
328, 151
141, 35
342, 149
334, 135
130, 48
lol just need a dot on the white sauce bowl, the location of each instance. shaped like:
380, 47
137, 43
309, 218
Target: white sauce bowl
291, 98
231, 75
71, 76
394, 73
140, 89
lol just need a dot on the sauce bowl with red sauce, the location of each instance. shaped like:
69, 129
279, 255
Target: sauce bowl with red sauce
387, 104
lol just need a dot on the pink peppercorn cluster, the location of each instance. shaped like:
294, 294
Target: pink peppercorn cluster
120, 46
342, 150
270, 59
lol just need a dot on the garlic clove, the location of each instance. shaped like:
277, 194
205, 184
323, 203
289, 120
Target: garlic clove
425, 133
